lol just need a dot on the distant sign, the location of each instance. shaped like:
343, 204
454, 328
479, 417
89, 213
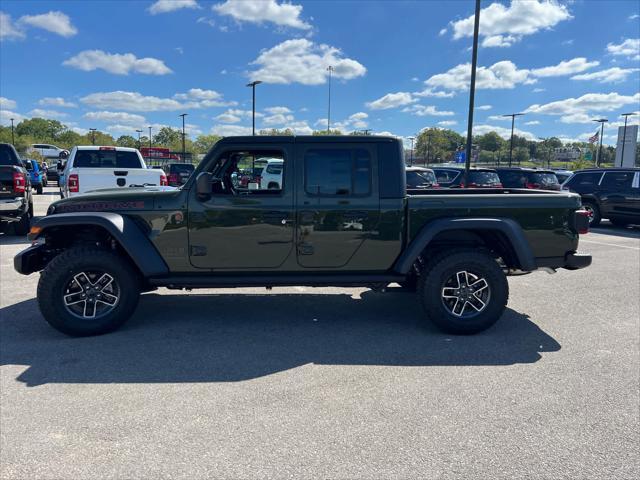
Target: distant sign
588, 156
630, 146
460, 156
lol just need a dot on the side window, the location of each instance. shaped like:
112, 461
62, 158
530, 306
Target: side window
246, 172
585, 179
343, 172
617, 180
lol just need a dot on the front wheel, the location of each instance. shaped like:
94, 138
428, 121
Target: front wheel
464, 291
87, 291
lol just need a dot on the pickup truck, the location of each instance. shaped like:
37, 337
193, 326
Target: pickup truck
342, 216
93, 168
16, 201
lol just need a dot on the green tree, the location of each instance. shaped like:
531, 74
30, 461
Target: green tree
41, 129
167, 137
317, 133
127, 141
276, 131
490, 141
204, 143
440, 143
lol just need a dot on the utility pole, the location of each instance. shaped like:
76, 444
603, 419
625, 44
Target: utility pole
149, 138
330, 70
472, 94
139, 144
429, 134
253, 87
624, 136
93, 136
183, 148
601, 121
13, 140
411, 153
513, 120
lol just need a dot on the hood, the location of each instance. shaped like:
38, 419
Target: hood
117, 200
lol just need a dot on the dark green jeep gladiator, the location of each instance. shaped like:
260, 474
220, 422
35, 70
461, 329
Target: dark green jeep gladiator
313, 211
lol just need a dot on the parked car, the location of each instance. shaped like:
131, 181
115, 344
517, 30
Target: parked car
342, 217
97, 167
518, 177
563, 175
421, 177
178, 173
612, 193
16, 201
451, 177
47, 150
36, 175
271, 175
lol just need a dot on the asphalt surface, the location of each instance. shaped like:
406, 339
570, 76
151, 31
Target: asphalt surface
330, 383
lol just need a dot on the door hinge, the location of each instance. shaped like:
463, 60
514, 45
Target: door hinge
198, 251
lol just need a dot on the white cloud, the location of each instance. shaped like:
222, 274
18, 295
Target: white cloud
484, 107
634, 16
51, 114
498, 117
610, 75
7, 104
118, 64
7, 115
208, 21
227, 118
259, 11
430, 92
277, 120
447, 123
566, 67
504, 132
55, 102
277, 110
54, 22
427, 110
532, 122
356, 121
302, 61
136, 102
391, 100
582, 109
538, 90
8, 29
502, 26
117, 117
230, 130
164, 6
300, 128
504, 74
629, 48
442, 32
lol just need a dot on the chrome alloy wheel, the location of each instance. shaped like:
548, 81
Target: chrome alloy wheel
90, 295
590, 212
465, 294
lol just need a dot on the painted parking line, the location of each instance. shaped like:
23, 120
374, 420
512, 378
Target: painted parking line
609, 244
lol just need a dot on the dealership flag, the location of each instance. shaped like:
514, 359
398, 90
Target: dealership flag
595, 138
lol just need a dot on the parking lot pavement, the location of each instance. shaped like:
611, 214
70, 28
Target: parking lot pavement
330, 382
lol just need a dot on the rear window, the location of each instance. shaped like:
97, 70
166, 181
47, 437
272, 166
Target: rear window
106, 159
446, 176
275, 168
544, 178
185, 168
417, 179
8, 156
512, 178
483, 178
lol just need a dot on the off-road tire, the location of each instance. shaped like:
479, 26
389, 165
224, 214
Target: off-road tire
61, 270
595, 211
443, 267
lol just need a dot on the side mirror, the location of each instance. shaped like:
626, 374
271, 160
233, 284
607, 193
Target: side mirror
204, 185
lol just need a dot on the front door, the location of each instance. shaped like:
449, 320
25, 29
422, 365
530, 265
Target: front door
338, 202
246, 224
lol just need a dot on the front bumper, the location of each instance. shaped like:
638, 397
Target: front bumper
30, 260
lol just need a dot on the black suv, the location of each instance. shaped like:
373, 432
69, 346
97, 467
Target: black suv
612, 193
451, 177
516, 177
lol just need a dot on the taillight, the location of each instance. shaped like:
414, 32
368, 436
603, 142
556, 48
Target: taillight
73, 183
472, 185
19, 182
498, 185
582, 218
435, 185
163, 180
532, 185
173, 177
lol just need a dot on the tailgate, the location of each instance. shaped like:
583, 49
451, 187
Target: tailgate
6, 181
99, 178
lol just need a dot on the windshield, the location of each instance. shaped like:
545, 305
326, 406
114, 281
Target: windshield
8, 156
106, 159
544, 178
417, 179
483, 178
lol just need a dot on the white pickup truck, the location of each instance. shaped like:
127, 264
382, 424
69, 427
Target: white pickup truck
94, 168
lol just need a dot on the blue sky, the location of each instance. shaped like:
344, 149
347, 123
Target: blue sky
398, 66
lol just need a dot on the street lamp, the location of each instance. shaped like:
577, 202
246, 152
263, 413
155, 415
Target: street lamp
601, 121
624, 135
253, 87
513, 120
429, 135
13, 140
183, 149
472, 94
149, 138
93, 136
411, 154
139, 144
330, 70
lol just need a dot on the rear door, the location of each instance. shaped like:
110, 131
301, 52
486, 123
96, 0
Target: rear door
337, 200
617, 195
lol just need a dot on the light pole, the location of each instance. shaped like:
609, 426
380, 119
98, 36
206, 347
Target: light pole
253, 87
624, 136
330, 70
139, 144
472, 94
13, 140
411, 153
93, 136
601, 121
429, 134
149, 138
183, 148
513, 121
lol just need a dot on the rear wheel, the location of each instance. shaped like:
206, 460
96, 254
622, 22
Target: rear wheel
464, 291
39, 189
87, 291
594, 213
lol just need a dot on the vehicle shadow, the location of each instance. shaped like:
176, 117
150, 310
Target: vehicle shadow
9, 238
228, 338
632, 231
